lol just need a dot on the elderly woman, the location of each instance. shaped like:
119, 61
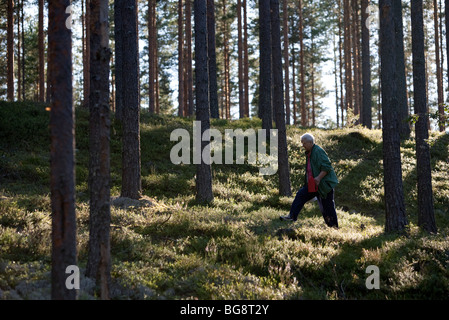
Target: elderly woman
320, 180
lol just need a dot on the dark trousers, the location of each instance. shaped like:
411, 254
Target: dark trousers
327, 206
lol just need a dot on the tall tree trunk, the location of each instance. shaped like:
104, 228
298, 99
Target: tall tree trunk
349, 103
41, 52
340, 52
151, 55
212, 59
245, 59
426, 218
404, 127
188, 64
131, 178
240, 59
286, 61
446, 21
62, 159
441, 125
180, 59
366, 68
396, 219
301, 67
119, 43
278, 101
22, 19
99, 259
19, 59
10, 51
203, 169
355, 59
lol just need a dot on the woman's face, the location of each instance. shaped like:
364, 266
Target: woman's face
307, 145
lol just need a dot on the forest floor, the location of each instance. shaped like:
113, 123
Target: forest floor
236, 247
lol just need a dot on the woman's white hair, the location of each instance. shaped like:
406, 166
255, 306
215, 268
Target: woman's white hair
308, 138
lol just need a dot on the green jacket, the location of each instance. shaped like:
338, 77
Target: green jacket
320, 162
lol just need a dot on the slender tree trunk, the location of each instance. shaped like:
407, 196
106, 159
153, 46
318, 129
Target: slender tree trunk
355, 60
347, 56
426, 218
10, 51
119, 43
22, 18
396, 219
151, 55
41, 52
301, 66
99, 259
189, 70
19, 60
340, 50
278, 101
439, 74
203, 169
245, 60
240, 58
62, 159
446, 15
366, 68
180, 59
212, 59
286, 61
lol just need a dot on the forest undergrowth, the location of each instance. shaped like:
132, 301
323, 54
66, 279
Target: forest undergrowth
170, 247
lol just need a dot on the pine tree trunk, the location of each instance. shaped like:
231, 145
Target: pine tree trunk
396, 219
180, 59
189, 71
240, 58
62, 160
99, 260
151, 55
301, 66
203, 169
41, 52
286, 62
426, 218
438, 67
245, 59
131, 178
10, 51
366, 68
212, 60
347, 57
278, 101
404, 127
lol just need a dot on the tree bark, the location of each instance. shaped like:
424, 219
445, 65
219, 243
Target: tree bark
180, 60
301, 67
131, 177
212, 60
366, 68
404, 126
62, 160
41, 52
396, 219
439, 74
203, 169
426, 217
99, 260
286, 62
278, 101
10, 51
